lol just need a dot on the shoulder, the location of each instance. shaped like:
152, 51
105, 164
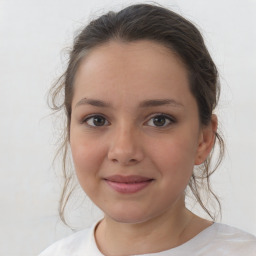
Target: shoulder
227, 240
233, 233
219, 239
71, 245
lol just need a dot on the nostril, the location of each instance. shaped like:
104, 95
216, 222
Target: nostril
129, 161
125, 153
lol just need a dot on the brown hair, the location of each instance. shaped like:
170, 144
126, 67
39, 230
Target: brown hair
158, 24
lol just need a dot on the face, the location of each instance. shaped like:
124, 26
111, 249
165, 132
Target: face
135, 133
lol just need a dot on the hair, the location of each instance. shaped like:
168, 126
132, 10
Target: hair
163, 26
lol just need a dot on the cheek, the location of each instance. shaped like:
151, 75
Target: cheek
87, 162
88, 156
175, 158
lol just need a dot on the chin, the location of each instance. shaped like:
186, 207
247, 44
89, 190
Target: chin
128, 219
128, 216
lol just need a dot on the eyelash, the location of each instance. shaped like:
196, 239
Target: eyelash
85, 120
171, 120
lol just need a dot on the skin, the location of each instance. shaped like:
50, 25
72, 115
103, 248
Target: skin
122, 76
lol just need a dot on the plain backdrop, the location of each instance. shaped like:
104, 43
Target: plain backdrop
33, 35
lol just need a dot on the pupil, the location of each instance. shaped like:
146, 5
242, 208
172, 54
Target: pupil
159, 121
98, 121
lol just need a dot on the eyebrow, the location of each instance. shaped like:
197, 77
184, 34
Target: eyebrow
93, 102
160, 102
143, 104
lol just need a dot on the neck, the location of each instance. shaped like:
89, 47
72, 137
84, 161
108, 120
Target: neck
163, 232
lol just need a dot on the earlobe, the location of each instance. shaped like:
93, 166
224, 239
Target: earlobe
206, 140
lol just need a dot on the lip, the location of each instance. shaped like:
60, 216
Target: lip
128, 184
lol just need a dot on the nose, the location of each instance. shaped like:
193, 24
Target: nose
125, 147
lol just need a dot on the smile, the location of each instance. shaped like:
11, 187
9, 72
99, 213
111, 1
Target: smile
128, 184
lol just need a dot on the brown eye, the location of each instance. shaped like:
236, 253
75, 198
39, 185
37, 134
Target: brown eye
96, 121
160, 121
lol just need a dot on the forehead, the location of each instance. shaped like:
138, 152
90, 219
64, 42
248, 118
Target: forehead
141, 69
141, 55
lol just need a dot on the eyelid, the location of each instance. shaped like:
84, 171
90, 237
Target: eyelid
167, 116
85, 119
171, 119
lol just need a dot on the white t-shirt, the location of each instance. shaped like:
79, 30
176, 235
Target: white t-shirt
216, 240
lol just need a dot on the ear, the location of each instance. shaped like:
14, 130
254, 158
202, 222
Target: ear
206, 140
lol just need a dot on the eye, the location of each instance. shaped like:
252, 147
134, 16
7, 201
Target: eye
161, 120
96, 121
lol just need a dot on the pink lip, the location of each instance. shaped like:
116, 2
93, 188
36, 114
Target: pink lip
128, 184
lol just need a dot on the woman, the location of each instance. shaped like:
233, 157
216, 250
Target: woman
140, 91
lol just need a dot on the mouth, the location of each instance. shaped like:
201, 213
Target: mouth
128, 184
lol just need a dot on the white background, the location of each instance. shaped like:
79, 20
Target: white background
33, 35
